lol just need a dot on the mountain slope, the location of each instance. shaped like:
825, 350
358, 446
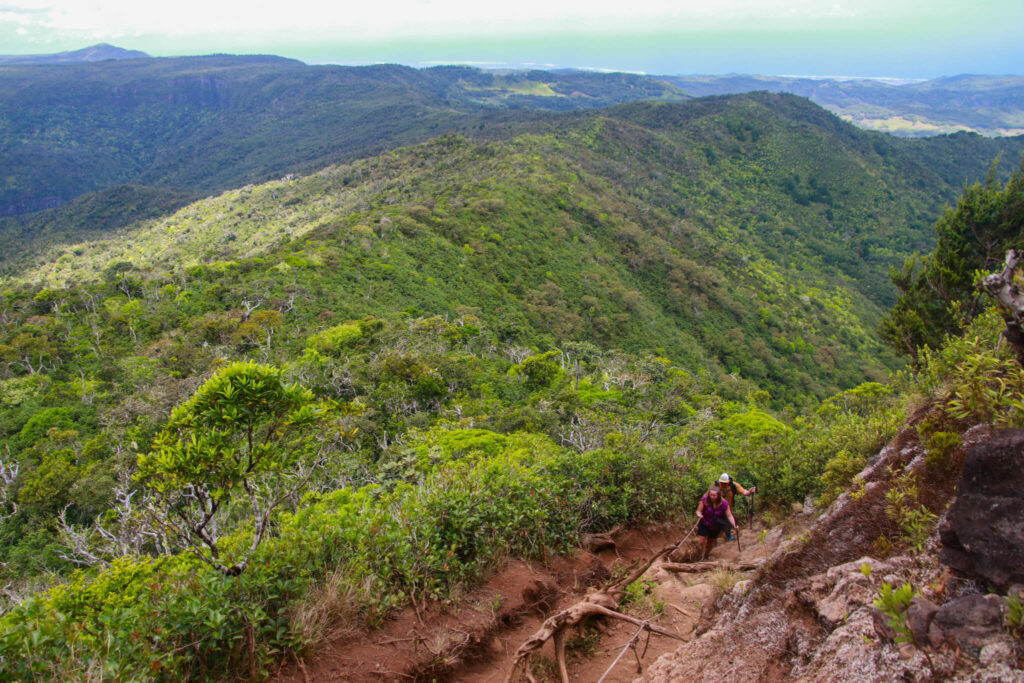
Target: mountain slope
204, 124
94, 53
750, 233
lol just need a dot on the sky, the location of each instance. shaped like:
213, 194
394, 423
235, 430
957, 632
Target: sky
872, 38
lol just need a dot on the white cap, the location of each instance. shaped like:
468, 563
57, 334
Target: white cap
725, 478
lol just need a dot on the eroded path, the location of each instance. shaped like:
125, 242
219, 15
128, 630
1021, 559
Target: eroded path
474, 638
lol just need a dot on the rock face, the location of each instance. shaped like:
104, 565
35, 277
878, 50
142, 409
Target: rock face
983, 535
973, 621
809, 615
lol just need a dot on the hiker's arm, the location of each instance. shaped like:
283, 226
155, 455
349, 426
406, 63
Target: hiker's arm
744, 492
700, 508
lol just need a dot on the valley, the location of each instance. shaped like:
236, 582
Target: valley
315, 372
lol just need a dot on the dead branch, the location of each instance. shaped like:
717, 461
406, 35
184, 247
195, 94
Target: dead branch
697, 567
598, 542
8, 475
682, 611
1010, 301
596, 604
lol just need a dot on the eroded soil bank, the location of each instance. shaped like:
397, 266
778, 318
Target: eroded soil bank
474, 638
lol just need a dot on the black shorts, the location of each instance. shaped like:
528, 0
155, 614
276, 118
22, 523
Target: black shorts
707, 532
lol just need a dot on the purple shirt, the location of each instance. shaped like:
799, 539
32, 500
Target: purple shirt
709, 513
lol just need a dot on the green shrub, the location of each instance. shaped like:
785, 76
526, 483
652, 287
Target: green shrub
940, 446
904, 507
334, 340
491, 495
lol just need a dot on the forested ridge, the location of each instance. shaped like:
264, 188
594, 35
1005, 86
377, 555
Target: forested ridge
207, 124
322, 397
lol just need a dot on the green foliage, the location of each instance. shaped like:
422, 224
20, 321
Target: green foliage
243, 421
1015, 614
538, 370
893, 603
928, 110
534, 359
424, 540
158, 122
850, 428
715, 270
243, 433
937, 293
977, 375
639, 599
334, 340
940, 446
903, 506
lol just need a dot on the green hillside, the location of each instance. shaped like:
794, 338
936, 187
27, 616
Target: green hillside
753, 233
317, 399
205, 124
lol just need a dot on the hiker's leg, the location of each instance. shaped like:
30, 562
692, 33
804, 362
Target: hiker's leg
702, 538
726, 527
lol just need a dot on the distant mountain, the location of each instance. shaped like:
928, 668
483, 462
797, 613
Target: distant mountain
96, 53
204, 124
989, 105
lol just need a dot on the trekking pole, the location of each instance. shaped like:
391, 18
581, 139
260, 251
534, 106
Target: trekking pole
751, 509
688, 534
740, 547
683, 540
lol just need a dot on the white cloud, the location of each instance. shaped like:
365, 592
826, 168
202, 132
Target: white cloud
405, 17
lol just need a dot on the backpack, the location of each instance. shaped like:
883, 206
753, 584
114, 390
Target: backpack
732, 486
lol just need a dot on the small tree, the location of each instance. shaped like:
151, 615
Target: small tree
243, 435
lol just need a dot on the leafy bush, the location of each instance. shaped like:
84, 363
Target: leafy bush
335, 340
380, 547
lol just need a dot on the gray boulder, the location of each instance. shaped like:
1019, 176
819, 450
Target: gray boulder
983, 534
972, 621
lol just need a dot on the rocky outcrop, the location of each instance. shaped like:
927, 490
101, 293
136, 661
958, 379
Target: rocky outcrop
972, 622
809, 615
983, 534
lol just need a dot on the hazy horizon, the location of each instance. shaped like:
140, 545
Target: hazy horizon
856, 39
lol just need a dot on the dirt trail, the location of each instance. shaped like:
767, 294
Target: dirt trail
682, 599
474, 639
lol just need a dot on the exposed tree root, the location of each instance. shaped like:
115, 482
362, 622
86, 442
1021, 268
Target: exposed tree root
599, 603
696, 567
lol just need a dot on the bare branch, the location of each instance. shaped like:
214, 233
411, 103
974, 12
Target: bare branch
1001, 287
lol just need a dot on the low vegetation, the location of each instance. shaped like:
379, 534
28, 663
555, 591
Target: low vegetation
329, 398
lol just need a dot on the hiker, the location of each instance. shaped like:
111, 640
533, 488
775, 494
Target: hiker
729, 490
715, 516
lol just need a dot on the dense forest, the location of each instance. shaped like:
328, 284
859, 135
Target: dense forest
229, 423
207, 124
